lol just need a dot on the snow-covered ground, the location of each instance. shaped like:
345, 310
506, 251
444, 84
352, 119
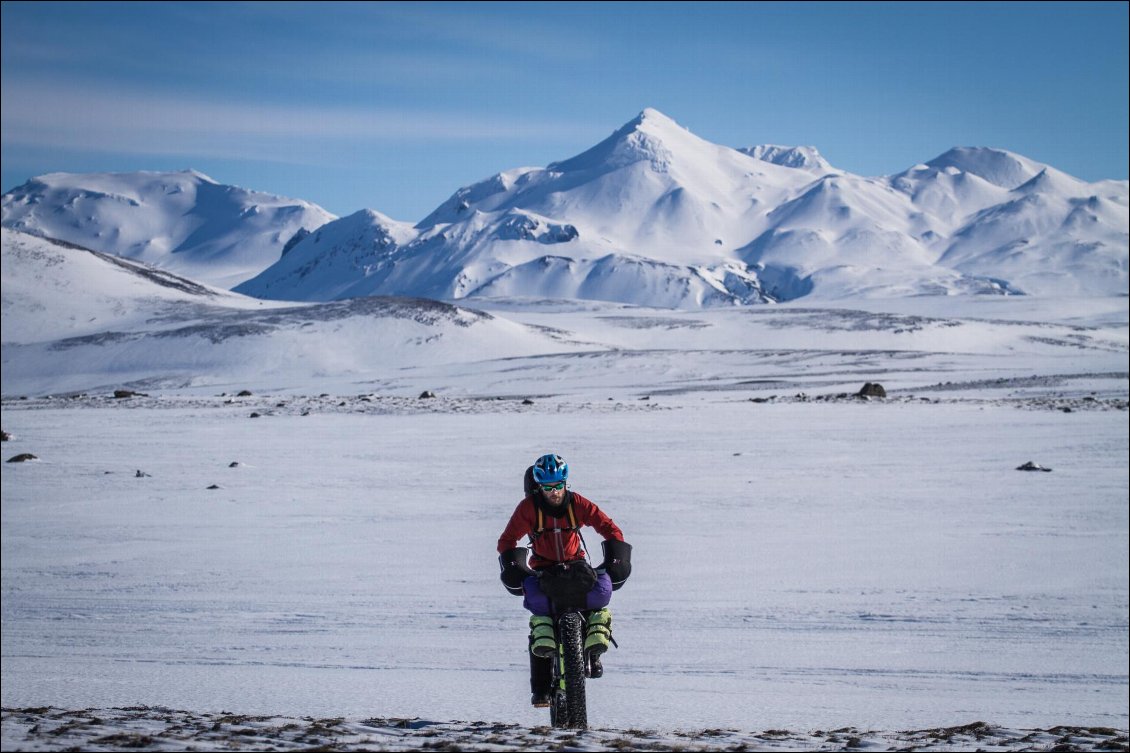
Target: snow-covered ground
803, 561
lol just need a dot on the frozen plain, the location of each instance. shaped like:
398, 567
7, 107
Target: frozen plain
800, 564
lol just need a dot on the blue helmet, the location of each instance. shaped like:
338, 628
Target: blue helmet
549, 469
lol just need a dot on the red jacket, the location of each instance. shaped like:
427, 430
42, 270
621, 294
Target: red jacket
556, 543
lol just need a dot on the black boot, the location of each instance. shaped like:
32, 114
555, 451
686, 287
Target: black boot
541, 677
595, 668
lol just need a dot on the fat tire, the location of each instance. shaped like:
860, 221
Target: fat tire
572, 640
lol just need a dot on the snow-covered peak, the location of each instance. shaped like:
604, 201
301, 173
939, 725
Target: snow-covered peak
997, 166
459, 203
401, 232
332, 258
800, 157
135, 187
651, 183
1050, 180
649, 137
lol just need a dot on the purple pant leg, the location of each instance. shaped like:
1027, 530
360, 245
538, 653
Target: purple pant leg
601, 593
535, 600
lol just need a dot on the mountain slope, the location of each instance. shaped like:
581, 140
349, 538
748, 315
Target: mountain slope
183, 222
74, 319
1052, 235
54, 290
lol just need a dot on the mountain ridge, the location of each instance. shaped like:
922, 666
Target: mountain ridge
654, 215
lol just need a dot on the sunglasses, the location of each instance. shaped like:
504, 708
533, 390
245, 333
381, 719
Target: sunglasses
553, 487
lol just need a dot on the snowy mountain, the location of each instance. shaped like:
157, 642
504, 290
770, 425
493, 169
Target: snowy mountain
654, 215
644, 217
184, 222
1053, 234
332, 258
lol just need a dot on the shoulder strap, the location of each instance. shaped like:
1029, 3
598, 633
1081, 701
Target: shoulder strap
540, 528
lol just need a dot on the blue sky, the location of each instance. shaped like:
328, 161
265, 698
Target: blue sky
393, 107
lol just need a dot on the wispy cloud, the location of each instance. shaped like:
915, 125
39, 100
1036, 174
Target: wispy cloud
347, 51
54, 115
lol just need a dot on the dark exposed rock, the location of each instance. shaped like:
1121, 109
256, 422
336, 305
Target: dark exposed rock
872, 389
427, 395
123, 394
1030, 466
295, 239
4, 436
244, 393
23, 457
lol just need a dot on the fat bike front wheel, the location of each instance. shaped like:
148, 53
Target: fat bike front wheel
570, 691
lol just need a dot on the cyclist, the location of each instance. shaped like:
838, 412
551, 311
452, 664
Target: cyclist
551, 515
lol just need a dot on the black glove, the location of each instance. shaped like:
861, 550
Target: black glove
617, 561
514, 569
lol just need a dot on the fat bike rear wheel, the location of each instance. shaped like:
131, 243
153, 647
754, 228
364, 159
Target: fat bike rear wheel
559, 709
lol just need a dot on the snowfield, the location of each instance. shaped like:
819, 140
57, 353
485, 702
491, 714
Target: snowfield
801, 565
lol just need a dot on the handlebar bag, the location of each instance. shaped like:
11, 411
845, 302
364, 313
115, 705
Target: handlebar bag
568, 583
